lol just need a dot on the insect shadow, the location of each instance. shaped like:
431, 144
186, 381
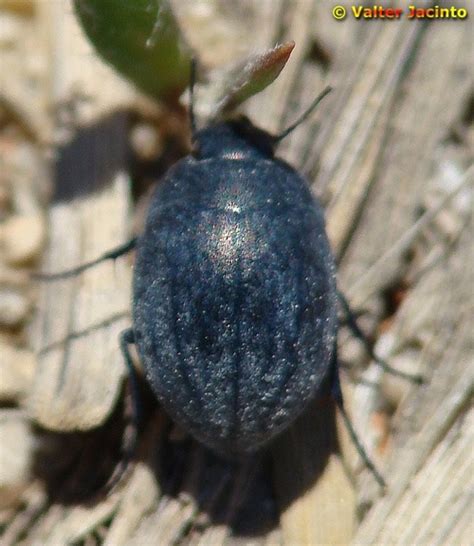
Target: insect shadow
92, 156
90, 159
239, 494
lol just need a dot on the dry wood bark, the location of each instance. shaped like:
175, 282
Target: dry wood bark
379, 149
76, 331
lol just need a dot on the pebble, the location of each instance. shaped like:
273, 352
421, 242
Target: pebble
16, 370
16, 457
14, 308
30, 184
22, 238
10, 30
146, 141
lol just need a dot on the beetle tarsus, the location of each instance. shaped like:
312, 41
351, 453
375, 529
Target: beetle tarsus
358, 445
336, 394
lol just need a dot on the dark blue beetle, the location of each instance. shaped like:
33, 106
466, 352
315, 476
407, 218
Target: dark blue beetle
234, 301
234, 297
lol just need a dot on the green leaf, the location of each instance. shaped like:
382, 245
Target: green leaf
140, 39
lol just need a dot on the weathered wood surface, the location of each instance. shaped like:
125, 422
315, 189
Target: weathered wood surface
76, 331
389, 154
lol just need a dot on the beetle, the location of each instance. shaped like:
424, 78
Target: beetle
235, 300
234, 292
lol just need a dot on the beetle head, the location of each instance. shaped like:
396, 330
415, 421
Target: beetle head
236, 139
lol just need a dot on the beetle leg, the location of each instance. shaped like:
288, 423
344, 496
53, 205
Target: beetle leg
129, 446
336, 394
127, 337
110, 255
351, 322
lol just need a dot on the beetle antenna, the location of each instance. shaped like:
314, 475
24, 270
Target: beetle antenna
304, 116
109, 255
192, 82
